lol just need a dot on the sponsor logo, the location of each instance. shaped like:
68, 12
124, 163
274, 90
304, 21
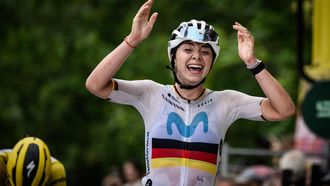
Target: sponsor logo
149, 182
205, 103
30, 167
169, 100
147, 154
200, 179
323, 109
186, 130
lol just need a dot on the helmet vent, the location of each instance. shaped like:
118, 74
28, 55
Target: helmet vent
199, 26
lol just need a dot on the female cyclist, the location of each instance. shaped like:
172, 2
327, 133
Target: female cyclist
185, 123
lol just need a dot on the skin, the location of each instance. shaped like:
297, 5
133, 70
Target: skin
192, 54
276, 106
130, 172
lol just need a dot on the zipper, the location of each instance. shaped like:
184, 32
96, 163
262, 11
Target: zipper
184, 168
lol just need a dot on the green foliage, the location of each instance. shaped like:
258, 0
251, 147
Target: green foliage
48, 49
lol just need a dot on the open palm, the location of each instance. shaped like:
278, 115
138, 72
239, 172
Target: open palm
142, 25
245, 44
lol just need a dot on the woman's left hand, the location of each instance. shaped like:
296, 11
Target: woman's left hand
245, 44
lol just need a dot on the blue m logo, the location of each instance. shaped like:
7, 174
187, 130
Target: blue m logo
186, 130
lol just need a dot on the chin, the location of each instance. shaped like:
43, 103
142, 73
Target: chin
193, 83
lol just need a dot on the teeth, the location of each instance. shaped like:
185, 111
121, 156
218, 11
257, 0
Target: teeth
195, 66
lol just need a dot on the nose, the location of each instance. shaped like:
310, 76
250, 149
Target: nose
196, 56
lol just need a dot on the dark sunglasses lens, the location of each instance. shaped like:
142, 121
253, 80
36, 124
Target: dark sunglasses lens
210, 35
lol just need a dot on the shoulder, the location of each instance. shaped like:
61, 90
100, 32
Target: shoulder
4, 153
150, 82
3, 162
136, 83
151, 87
237, 97
3, 158
58, 174
230, 97
227, 94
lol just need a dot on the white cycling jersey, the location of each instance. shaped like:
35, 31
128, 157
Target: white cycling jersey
183, 139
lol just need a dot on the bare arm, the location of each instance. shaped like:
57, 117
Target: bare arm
99, 81
278, 104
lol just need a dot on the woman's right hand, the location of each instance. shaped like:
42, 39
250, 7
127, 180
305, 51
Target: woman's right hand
142, 24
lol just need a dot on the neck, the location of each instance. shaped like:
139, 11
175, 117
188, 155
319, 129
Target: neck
189, 94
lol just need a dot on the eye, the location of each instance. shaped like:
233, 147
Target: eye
187, 49
206, 52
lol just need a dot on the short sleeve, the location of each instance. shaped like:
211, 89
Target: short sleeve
243, 106
136, 93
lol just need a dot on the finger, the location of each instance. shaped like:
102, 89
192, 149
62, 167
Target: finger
151, 2
153, 19
241, 29
239, 24
240, 38
244, 37
244, 34
145, 9
142, 15
148, 6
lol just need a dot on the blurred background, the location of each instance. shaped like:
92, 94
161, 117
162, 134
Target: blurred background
48, 48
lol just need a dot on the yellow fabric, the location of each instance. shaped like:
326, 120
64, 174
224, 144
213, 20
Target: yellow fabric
58, 175
320, 68
196, 164
321, 31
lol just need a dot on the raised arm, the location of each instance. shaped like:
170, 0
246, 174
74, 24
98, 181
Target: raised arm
99, 81
278, 104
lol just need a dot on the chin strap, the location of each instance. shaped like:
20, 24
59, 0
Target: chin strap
183, 86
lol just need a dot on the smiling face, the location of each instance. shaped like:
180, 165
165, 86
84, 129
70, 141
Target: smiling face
193, 62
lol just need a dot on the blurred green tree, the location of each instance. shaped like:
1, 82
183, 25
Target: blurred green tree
48, 49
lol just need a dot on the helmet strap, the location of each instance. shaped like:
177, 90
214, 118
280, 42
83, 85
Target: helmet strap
172, 68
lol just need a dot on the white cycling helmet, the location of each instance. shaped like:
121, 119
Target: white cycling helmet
196, 31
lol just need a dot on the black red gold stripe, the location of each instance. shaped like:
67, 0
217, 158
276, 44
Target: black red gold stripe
169, 153
178, 153
191, 146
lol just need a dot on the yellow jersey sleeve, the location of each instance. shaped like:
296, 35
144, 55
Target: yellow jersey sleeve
58, 175
3, 163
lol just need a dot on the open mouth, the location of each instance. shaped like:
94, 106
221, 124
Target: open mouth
195, 67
